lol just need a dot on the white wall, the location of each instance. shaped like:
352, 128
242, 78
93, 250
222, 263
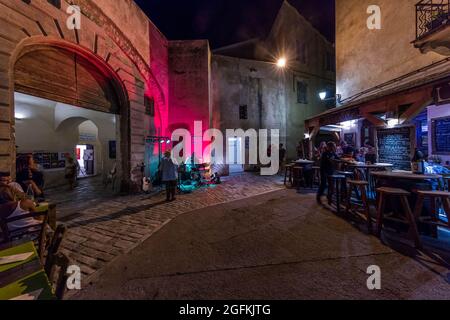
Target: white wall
48, 126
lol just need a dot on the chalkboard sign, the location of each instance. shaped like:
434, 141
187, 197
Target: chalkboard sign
395, 147
441, 136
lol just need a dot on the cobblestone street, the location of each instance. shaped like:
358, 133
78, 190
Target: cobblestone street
112, 227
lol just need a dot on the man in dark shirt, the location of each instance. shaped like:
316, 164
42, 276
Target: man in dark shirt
326, 169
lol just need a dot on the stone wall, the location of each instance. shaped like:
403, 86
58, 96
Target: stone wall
189, 84
115, 36
367, 58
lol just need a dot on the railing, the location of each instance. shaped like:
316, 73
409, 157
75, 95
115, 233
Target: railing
431, 15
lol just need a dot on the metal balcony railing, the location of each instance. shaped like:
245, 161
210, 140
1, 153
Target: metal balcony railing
430, 16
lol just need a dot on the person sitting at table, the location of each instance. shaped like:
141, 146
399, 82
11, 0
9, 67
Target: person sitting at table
6, 179
326, 169
361, 155
10, 208
28, 175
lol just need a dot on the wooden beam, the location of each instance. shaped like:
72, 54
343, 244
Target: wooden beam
374, 120
415, 109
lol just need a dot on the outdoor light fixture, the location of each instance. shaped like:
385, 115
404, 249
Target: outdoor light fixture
282, 62
162, 141
393, 122
168, 141
19, 116
322, 95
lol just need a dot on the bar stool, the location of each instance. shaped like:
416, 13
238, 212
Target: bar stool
335, 183
433, 196
288, 171
401, 195
299, 177
447, 182
361, 187
316, 175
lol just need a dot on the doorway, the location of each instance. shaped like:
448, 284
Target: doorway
86, 160
235, 155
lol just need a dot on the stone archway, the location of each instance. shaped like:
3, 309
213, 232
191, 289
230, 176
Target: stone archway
62, 72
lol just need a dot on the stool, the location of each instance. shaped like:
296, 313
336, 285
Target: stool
299, 177
401, 195
316, 175
288, 171
447, 182
361, 187
335, 183
433, 196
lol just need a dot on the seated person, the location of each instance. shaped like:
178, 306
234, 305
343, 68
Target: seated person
10, 208
6, 179
28, 175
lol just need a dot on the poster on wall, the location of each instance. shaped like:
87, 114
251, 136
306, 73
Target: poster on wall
441, 136
112, 150
395, 146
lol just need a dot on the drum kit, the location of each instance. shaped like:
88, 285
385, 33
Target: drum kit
195, 176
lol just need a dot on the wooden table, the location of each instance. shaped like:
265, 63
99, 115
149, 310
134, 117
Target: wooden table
406, 175
368, 170
305, 164
24, 277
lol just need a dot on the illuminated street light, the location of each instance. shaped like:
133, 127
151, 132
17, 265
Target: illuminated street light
323, 95
281, 63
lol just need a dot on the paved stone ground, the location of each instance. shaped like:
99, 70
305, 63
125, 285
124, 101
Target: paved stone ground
280, 245
110, 227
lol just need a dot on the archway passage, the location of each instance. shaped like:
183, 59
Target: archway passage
67, 77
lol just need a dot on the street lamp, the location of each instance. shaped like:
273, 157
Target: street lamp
323, 95
281, 63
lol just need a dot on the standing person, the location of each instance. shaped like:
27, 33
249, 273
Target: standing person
71, 172
169, 172
282, 153
326, 169
300, 153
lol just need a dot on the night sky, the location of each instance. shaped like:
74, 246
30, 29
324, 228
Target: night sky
225, 22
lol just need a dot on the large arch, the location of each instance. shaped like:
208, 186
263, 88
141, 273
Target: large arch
31, 48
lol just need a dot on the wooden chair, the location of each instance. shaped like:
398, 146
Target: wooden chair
53, 248
288, 173
435, 219
335, 192
36, 233
402, 196
316, 175
58, 274
360, 187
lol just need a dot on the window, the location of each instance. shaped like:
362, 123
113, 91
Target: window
330, 62
302, 92
56, 3
302, 52
243, 112
149, 106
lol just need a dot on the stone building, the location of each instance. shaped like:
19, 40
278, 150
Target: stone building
106, 85
396, 76
250, 91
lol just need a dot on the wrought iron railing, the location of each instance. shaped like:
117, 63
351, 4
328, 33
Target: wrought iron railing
431, 15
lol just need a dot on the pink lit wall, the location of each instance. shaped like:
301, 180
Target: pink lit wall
189, 85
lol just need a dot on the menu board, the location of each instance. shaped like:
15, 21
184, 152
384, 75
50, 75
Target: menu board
441, 136
49, 160
395, 147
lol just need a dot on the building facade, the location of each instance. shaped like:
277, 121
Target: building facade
115, 70
393, 76
250, 91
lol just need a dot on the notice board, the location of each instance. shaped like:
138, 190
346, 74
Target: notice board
441, 136
395, 146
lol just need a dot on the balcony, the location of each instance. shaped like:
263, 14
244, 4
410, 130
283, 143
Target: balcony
433, 26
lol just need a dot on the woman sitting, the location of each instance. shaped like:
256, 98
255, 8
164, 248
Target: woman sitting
28, 175
10, 208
